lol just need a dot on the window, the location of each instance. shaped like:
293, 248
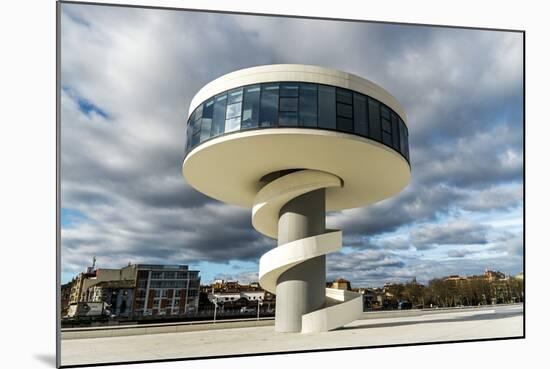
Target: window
386, 138
385, 112
308, 105
251, 107
374, 120
288, 104
386, 125
233, 112
406, 141
164, 293
344, 110
169, 275
343, 96
288, 118
288, 111
189, 134
156, 275
196, 128
168, 284
385, 115
140, 293
344, 124
327, 108
360, 119
289, 90
269, 105
208, 111
235, 96
295, 104
197, 117
395, 131
233, 124
402, 136
218, 119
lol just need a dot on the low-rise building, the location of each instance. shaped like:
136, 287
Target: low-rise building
341, 284
65, 298
231, 295
118, 295
82, 283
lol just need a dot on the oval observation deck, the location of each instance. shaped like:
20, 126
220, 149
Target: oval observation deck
266, 119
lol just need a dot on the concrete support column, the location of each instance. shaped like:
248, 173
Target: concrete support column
301, 289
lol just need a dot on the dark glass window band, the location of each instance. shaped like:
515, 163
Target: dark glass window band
297, 104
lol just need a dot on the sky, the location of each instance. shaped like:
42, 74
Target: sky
129, 74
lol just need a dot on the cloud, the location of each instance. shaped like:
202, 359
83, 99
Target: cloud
457, 253
453, 233
363, 265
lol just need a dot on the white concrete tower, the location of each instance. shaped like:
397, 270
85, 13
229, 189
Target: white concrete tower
291, 142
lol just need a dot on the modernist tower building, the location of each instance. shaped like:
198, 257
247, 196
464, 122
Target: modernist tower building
292, 142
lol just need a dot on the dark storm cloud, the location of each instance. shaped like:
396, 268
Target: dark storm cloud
370, 263
461, 90
453, 233
457, 253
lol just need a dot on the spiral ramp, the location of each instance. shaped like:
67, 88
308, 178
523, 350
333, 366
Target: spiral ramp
340, 306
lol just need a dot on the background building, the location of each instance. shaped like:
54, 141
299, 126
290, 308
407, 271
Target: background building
341, 284
137, 290
65, 298
119, 296
165, 290
234, 299
80, 285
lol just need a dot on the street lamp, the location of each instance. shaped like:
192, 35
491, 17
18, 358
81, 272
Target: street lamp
215, 301
258, 314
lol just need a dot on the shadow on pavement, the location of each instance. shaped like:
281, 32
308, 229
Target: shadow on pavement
48, 359
489, 316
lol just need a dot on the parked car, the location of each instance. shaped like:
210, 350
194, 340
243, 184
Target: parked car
404, 305
246, 309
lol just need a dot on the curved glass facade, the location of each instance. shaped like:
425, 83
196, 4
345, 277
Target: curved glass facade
297, 104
